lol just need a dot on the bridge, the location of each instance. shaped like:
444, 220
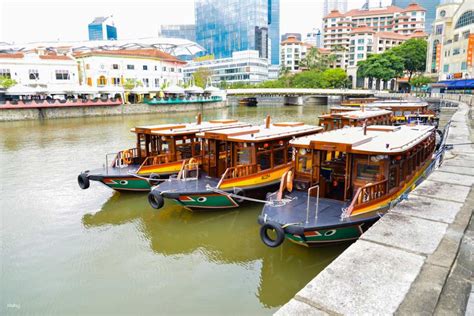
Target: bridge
296, 96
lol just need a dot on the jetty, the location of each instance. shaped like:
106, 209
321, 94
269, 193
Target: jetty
418, 259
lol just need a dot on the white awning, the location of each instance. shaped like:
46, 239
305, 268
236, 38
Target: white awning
194, 89
174, 90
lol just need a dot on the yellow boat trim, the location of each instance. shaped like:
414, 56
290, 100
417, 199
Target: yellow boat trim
258, 179
172, 167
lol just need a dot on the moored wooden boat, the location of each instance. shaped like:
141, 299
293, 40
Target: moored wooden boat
248, 101
237, 164
336, 120
357, 102
345, 180
160, 151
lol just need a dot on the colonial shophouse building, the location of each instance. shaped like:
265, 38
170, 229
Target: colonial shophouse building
153, 68
39, 69
451, 44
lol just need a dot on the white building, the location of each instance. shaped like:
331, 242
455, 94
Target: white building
451, 43
365, 41
106, 69
338, 26
293, 51
39, 69
243, 66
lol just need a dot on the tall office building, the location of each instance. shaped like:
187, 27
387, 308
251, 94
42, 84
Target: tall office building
429, 5
372, 4
339, 5
102, 28
227, 26
186, 31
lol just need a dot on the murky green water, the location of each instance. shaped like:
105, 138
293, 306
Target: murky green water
68, 251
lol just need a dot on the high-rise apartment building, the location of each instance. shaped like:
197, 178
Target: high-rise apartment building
186, 31
227, 26
102, 28
429, 5
330, 5
338, 27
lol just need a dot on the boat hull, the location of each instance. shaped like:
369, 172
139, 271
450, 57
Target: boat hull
347, 231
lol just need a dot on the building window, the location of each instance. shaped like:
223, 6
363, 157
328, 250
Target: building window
62, 75
102, 81
439, 29
146, 82
164, 68
116, 81
172, 69
456, 51
360, 41
130, 67
456, 37
145, 67
360, 56
157, 82
446, 68
156, 68
33, 74
5, 73
466, 18
464, 65
115, 66
360, 48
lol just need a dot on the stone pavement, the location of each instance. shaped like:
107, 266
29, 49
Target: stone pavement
418, 259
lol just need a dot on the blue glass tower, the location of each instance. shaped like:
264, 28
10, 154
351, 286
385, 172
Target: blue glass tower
102, 28
429, 5
227, 26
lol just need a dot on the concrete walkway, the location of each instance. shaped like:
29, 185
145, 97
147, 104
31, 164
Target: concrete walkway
418, 259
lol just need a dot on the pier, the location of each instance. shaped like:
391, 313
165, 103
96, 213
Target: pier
418, 259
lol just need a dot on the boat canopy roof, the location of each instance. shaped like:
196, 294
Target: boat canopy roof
396, 105
379, 139
358, 114
187, 128
260, 133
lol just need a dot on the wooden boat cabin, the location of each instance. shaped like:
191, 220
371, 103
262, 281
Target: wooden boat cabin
159, 153
358, 101
237, 163
402, 109
338, 120
344, 180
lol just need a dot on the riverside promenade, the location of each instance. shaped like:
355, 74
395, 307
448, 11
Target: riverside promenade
419, 258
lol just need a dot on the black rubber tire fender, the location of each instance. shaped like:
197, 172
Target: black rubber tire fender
155, 199
83, 181
239, 192
153, 179
280, 234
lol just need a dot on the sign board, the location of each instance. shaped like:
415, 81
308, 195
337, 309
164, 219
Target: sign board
470, 50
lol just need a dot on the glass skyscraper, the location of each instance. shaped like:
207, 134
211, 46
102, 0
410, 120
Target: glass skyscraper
429, 5
227, 26
102, 28
339, 5
186, 31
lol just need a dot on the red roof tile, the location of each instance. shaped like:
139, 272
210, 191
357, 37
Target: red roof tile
150, 53
362, 29
334, 14
388, 10
55, 57
414, 7
14, 55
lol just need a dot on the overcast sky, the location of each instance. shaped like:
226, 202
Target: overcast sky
32, 21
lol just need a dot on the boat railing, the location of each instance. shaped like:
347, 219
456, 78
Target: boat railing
123, 158
366, 194
311, 189
189, 170
237, 172
156, 160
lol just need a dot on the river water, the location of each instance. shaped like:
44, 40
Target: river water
70, 251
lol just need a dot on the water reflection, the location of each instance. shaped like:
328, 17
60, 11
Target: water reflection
223, 237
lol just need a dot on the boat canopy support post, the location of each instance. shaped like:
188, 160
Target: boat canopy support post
316, 187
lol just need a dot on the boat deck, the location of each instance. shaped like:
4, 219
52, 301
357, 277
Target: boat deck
294, 212
113, 171
188, 186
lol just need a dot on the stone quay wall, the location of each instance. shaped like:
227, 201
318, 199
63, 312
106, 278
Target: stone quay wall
86, 111
416, 260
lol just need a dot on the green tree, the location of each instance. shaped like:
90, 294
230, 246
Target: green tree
131, 83
308, 79
315, 60
334, 78
383, 66
6, 82
420, 81
201, 76
413, 52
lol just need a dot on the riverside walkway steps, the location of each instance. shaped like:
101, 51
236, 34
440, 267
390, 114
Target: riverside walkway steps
418, 259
